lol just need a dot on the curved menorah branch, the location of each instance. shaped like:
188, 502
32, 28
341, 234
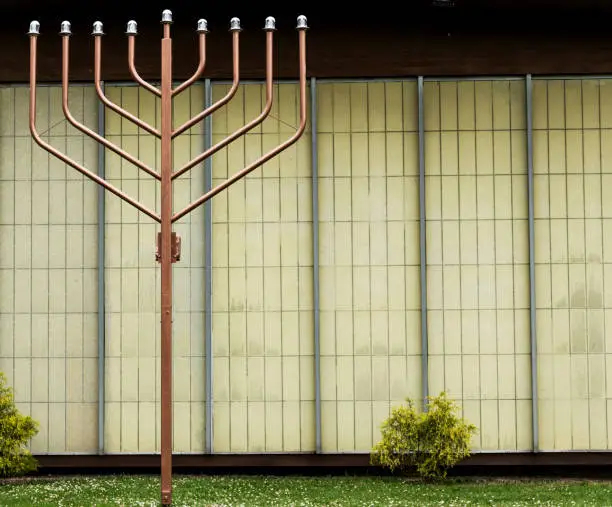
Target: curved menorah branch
249, 126
199, 70
53, 151
97, 64
230, 94
132, 66
83, 128
262, 160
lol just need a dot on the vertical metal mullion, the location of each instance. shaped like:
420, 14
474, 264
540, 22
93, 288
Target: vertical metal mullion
208, 272
532, 293
101, 278
315, 259
423, 246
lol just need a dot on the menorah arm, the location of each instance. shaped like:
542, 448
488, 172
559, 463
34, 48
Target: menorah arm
221, 102
106, 101
90, 175
55, 152
241, 174
83, 128
249, 126
199, 70
272, 153
132, 66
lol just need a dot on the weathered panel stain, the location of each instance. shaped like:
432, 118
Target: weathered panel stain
570, 116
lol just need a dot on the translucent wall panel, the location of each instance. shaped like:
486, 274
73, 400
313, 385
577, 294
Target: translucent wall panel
48, 259
369, 257
572, 121
133, 283
477, 255
262, 281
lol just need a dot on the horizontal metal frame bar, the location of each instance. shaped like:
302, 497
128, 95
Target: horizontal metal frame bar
212, 81
120, 84
357, 453
131, 84
368, 80
176, 453
426, 79
561, 77
326, 453
254, 81
446, 79
46, 85
305, 453
340, 80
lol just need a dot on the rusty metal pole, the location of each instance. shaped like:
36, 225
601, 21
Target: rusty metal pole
168, 243
165, 252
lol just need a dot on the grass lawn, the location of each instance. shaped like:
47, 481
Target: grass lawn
302, 491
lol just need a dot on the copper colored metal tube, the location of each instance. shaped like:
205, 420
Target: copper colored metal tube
252, 124
166, 267
262, 160
133, 71
228, 96
83, 128
199, 70
59, 154
97, 65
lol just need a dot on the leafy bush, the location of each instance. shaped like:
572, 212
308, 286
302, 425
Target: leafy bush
431, 442
15, 431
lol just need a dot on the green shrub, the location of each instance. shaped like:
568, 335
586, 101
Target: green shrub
15, 431
430, 442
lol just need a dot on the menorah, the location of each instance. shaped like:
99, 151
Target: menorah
168, 243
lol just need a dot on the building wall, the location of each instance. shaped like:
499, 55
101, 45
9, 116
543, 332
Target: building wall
369, 257
572, 165
48, 270
262, 303
477, 255
262, 281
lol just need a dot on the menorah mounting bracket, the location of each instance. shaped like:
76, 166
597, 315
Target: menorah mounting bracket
176, 247
168, 245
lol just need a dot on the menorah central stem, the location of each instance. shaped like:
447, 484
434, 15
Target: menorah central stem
166, 267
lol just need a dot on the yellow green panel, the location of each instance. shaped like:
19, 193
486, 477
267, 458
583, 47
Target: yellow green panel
571, 155
133, 283
262, 280
369, 257
477, 255
48, 291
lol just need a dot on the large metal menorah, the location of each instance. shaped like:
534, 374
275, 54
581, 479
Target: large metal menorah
168, 243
